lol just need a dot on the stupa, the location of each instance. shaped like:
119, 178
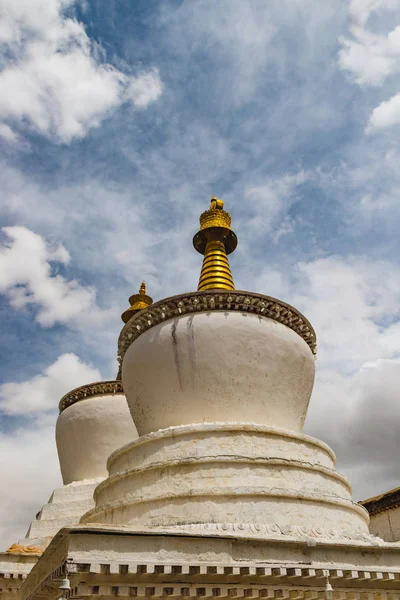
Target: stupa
220, 494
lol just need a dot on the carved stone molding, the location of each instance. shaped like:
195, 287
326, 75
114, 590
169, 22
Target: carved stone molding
100, 388
214, 590
275, 531
218, 300
274, 581
273, 572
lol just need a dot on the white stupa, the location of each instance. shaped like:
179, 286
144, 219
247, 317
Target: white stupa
94, 420
218, 383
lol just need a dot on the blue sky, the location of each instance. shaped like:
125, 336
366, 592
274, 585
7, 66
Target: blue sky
119, 120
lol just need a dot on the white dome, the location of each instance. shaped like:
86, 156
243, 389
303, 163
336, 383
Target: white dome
218, 366
90, 429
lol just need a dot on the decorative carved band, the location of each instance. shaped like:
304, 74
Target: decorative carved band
193, 580
273, 581
302, 573
273, 530
219, 300
216, 589
101, 388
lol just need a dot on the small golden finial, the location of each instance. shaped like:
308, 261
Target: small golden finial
137, 302
215, 241
216, 203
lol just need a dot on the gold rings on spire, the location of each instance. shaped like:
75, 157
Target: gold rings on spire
137, 302
215, 241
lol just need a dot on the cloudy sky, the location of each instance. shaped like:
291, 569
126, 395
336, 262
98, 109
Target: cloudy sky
118, 121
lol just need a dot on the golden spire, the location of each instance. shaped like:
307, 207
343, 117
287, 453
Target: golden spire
215, 241
137, 302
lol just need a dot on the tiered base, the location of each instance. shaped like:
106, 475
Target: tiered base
64, 508
230, 477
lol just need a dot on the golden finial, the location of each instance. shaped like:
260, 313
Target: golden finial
215, 241
216, 203
137, 302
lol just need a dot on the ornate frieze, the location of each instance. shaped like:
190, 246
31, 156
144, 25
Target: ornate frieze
213, 590
264, 530
216, 300
101, 388
274, 581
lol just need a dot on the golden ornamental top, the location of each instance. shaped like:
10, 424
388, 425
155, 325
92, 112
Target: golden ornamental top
137, 302
215, 225
215, 216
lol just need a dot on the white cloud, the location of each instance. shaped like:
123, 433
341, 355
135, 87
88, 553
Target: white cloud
248, 41
371, 58
42, 392
360, 10
268, 202
241, 32
56, 81
385, 115
144, 89
26, 279
287, 226
359, 416
347, 299
366, 186
8, 134
30, 472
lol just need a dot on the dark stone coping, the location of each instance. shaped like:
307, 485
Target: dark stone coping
218, 300
100, 388
390, 499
